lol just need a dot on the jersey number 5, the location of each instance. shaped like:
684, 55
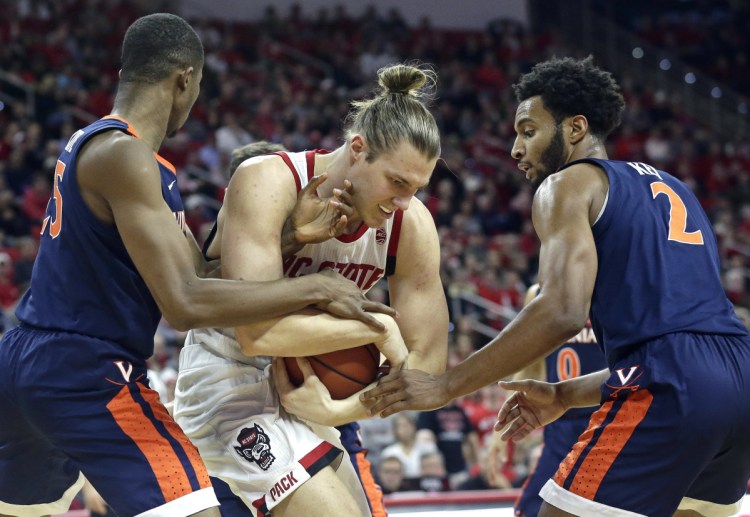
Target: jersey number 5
56, 226
677, 216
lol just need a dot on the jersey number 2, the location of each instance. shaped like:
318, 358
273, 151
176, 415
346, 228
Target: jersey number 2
677, 216
56, 226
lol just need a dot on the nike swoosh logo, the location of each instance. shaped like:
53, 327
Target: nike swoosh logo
171, 185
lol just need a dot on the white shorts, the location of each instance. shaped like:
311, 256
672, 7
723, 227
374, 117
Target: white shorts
231, 412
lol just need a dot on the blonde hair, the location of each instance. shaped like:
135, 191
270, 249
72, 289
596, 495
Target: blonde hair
397, 113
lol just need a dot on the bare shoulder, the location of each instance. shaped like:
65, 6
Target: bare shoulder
261, 187
115, 168
418, 215
581, 186
419, 238
267, 170
117, 153
418, 226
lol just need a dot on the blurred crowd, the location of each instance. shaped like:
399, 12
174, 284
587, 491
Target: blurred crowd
288, 78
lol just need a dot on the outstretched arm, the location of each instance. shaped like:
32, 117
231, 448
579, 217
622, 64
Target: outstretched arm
535, 403
563, 211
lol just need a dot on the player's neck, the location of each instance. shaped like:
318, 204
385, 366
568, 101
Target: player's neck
334, 164
146, 111
589, 147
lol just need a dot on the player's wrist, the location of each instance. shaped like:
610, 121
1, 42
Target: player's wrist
565, 393
290, 241
315, 290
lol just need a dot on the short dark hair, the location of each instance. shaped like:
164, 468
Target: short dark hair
248, 151
571, 87
156, 45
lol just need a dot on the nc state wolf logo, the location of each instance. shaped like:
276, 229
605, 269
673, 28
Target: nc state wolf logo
380, 235
255, 446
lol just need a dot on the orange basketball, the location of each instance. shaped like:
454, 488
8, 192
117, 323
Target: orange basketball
343, 372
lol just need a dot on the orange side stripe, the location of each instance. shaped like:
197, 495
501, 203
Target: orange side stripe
165, 464
373, 492
161, 413
610, 443
570, 460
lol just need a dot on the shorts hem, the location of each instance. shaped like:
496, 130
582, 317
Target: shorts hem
34, 510
567, 501
185, 505
710, 509
305, 468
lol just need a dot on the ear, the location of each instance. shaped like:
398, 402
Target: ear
357, 147
579, 128
184, 78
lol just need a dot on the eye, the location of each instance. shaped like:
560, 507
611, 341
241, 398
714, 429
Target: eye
528, 133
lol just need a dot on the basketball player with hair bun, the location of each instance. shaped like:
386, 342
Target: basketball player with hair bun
275, 445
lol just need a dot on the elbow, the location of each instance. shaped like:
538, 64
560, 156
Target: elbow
570, 321
183, 309
181, 320
249, 344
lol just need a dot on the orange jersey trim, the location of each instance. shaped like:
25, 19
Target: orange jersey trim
609, 445
597, 419
373, 492
165, 464
159, 158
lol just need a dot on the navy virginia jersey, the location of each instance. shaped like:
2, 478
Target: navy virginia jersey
83, 279
580, 355
658, 262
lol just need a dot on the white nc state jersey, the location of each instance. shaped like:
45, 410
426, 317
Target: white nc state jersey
363, 257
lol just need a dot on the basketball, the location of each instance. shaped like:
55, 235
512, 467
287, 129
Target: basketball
343, 372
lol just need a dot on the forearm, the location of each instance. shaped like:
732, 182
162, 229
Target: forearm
584, 391
305, 334
537, 330
426, 361
222, 303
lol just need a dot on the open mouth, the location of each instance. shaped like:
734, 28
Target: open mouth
387, 211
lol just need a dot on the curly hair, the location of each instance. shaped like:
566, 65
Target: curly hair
156, 45
575, 87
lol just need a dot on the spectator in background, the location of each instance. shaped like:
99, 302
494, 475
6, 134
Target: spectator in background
456, 439
390, 474
407, 448
8, 289
27, 247
231, 135
433, 476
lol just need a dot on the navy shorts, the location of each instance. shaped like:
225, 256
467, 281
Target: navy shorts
673, 430
73, 404
559, 437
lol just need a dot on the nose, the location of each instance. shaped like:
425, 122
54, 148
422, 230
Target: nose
402, 203
516, 152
